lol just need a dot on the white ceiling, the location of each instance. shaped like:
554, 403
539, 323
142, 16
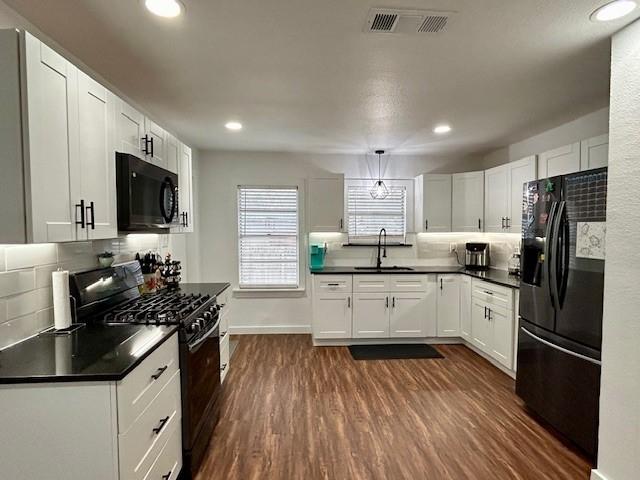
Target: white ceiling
302, 76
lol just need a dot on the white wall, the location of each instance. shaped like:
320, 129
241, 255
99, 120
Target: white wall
221, 172
619, 448
590, 125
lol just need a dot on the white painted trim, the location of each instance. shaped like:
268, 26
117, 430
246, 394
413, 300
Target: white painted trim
596, 475
493, 362
345, 342
269, 292
269, 329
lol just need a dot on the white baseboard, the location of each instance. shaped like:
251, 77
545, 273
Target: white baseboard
336, 342
596, 475
269, 329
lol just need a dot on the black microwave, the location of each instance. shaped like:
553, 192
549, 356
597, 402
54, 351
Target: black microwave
147, 195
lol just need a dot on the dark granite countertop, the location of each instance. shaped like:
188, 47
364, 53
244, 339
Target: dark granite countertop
213, 289
499, 277
91, 353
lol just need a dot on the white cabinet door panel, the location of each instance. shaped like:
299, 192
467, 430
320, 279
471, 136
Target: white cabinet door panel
594, 152
129, 130
481, 333
173, 155
332, 315
52, 111
158, 146
502, 341
97, 160
371, 315
496, 197
326, 204
448, 305
410, 314
432, 203
468, 202
559, 161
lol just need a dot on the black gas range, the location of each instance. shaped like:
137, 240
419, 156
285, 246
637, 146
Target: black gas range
110, 296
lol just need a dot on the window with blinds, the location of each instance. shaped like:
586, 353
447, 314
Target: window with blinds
268, 237
367, 215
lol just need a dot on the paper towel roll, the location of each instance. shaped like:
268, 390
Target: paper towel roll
61, 300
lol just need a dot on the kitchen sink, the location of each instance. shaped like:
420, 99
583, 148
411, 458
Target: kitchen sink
384, 269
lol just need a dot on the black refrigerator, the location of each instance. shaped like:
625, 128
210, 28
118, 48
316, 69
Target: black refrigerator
561, 289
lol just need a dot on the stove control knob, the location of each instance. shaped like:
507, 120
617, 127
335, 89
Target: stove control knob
207, 316
194, 327
201, 322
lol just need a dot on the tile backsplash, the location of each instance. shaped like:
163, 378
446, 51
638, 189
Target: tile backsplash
26, 305
426, 249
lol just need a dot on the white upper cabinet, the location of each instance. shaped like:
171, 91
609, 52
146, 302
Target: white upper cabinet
326, 204
96, 170
173, 154
503, 193
156, 143
520, 172
129, 130
594, 152
559, 161
468, 202
432, 203
496, 198
51, 138
185, 190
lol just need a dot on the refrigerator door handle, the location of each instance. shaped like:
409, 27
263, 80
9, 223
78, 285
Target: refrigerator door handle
555, 254
561, 349
548, 250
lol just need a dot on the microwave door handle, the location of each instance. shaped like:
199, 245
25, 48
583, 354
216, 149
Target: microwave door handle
548, 250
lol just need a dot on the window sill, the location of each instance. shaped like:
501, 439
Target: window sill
269, 292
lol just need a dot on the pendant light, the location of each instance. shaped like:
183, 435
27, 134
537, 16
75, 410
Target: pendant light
379, 191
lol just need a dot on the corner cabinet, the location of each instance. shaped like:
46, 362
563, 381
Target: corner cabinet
468, 202
326, 204
432, 203
503, 193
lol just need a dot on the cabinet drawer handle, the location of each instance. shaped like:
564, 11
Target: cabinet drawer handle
393, 302
223, 367
440, 284
479, 224
386, 303
145, 144
348, 302
167, 476
503, 223
485, 313
222, 335
489, 316
81, 206
159, 373
333, 284
341, 224
186, 219
163, 422
426, 224
508, 222
488, 292
151, 146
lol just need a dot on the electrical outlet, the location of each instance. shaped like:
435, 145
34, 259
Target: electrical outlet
452, 248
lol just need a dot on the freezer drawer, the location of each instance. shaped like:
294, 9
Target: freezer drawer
561, 386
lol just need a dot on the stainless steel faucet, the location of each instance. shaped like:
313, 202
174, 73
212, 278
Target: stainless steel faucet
384, 249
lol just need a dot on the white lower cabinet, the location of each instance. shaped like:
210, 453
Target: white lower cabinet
410, 315
334, 312
224, 300
104, 430
493, 321
448, 305
371, 315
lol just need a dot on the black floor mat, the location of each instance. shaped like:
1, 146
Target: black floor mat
394, 351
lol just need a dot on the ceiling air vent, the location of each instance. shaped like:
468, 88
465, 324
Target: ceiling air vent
385, 20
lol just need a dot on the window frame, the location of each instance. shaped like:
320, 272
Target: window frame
409, 185
299, 233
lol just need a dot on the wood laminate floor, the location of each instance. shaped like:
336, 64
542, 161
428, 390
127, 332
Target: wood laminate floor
292, 411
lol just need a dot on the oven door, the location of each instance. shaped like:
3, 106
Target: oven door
201, 389
147, 195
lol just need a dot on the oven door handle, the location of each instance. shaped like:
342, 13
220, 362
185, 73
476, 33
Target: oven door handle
193, 348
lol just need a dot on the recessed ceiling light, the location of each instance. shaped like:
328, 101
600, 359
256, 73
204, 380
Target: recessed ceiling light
614, 10
164, 8
440, 129
233, 126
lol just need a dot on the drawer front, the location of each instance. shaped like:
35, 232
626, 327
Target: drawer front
224, 297
370, 283
332, 283
168, 464
224, 359
410, 283
140, 387
140, 446
492, 294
